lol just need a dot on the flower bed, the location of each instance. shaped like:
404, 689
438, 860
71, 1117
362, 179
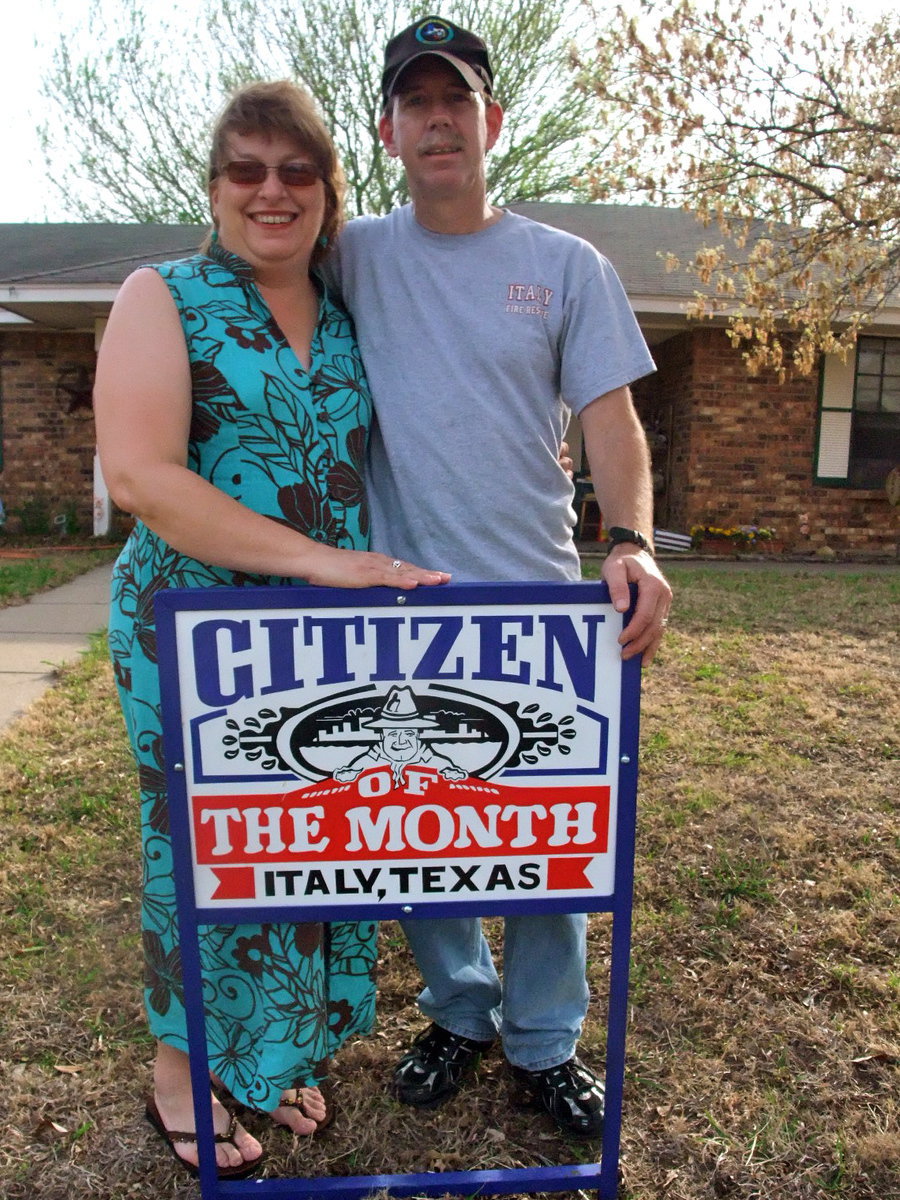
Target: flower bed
734, 539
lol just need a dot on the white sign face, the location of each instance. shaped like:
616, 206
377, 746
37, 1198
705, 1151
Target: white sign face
400, 755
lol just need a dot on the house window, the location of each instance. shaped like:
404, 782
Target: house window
859, 416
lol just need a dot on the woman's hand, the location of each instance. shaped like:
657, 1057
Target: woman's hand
329, 567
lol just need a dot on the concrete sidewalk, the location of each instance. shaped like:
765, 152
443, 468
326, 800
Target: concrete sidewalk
49, 630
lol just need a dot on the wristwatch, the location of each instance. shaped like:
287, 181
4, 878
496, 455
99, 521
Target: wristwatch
618, 535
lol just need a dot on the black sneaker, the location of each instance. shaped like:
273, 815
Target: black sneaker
433, 1068
571, 1093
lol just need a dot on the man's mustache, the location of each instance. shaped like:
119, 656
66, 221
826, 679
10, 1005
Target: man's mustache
440, 145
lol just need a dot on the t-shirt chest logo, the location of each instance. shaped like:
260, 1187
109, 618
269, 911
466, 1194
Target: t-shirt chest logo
529, 299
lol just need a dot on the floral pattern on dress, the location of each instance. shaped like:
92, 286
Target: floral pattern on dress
280, 997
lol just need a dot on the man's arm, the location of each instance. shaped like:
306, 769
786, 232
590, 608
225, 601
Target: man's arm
620, 470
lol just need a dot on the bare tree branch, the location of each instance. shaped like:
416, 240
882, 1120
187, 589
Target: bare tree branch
130, 119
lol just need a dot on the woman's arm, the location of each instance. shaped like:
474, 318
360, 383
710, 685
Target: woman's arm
142, 404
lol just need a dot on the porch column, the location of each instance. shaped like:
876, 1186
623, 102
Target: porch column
102, 504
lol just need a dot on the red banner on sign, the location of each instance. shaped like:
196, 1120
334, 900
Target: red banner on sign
235, 883
389, 813
564, 874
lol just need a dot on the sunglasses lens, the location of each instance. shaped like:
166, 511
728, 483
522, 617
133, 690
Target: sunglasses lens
249, 173
298, 174
246, 172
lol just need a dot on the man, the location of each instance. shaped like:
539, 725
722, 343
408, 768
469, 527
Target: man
400, 725
480, 330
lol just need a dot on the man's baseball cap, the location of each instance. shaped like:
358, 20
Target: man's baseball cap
434, 35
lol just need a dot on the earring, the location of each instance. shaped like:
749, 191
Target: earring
323, 239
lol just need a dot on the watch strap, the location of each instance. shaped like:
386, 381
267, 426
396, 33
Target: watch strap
618, 536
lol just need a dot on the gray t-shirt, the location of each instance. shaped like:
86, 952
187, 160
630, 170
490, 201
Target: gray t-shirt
476, 347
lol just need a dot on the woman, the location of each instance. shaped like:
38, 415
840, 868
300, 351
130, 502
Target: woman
232, 415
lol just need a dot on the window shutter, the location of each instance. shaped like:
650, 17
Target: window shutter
835, 418
833, 460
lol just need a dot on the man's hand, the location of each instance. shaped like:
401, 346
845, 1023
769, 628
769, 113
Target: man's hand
642, 635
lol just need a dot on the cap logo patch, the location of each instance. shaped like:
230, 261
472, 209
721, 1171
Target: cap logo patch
434, 33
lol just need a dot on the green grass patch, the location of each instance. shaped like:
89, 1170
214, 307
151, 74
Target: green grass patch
778, 598
21, 578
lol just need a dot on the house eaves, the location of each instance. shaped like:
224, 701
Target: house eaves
636, 238
65, 276
56, 307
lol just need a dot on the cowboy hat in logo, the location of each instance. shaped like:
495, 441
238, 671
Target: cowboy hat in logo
401, 709
463, 50
400, 746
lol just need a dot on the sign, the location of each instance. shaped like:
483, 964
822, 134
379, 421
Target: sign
447, 745
463, 749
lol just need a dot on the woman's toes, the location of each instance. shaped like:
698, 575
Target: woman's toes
245, 1146
228, 1155
301, 1110
294, 1120
242, 1146
313, 1103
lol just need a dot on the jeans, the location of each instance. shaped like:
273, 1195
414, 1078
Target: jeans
539, 1009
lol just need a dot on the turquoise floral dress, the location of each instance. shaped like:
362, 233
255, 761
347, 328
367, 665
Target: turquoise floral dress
280, 998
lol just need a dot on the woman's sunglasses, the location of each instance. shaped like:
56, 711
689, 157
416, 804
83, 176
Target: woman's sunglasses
247, 173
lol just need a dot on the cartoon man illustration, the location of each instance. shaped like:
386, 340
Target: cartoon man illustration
400, 744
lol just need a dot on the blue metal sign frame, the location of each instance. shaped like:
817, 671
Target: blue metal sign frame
602, 1175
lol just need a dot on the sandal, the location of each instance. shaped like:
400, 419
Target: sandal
327, 1096
173, 1136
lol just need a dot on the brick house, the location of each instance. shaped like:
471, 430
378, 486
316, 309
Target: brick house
808, 457
57, 285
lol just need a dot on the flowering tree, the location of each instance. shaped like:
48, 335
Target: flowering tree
781, 129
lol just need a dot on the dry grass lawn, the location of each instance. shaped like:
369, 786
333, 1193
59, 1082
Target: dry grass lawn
764, 1039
